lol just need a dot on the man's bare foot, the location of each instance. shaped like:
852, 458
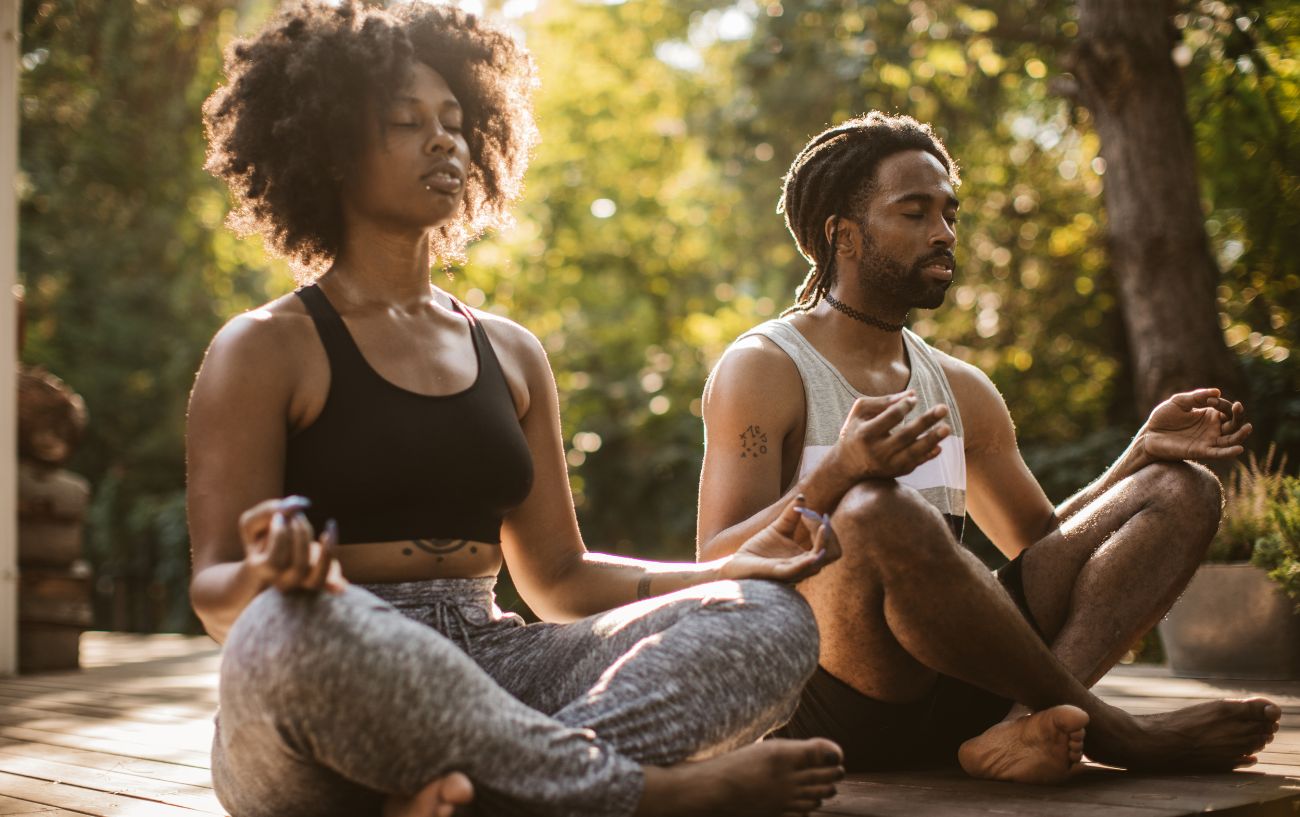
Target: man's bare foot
1044, 748
1213, 736
774, 778
438, 799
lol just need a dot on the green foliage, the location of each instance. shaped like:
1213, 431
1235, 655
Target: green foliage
127, 271
1278, 552
1254, 492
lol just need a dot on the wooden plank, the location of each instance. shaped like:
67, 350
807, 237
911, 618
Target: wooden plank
195, 798
1099, 791
86, 801
12, 807
108, 707
153, 769
199, 759
195, 736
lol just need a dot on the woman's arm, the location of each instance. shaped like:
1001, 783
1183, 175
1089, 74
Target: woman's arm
556, 575
243, 540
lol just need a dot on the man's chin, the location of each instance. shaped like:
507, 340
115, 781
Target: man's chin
932, 298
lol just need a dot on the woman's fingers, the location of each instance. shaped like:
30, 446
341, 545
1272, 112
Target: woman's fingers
826, 543
256, 521
322, 557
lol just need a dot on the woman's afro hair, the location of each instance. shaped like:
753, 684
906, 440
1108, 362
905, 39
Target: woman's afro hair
291, 120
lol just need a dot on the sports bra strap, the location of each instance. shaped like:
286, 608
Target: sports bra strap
339, 345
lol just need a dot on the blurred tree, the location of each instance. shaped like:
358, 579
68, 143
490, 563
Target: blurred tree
1123, 59
127, 271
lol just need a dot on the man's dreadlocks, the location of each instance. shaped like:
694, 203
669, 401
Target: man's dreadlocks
835, 174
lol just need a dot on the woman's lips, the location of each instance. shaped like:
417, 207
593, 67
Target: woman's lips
442, 182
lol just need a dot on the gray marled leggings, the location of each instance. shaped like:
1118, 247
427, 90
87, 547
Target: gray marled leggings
328, 703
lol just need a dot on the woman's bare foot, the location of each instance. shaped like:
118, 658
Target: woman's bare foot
1044, 748
774, 778
438, 799
1213, 736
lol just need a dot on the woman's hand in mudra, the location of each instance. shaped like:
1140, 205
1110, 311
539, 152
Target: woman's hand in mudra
773, 553
280, 547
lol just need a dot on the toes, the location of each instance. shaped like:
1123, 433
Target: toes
1068, 718
821, 775
822, 753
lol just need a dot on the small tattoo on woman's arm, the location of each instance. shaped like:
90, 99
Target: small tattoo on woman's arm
643, 588
753, 442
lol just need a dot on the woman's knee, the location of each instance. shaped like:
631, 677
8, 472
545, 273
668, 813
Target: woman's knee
777, 614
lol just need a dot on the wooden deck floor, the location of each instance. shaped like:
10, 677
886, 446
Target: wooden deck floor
128, 736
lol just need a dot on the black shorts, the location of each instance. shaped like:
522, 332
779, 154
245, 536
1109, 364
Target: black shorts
876, 735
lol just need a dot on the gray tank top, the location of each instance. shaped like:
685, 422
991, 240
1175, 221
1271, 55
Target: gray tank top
828, 397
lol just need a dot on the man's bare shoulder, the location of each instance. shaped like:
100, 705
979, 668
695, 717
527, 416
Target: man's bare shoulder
753, 364
984, 413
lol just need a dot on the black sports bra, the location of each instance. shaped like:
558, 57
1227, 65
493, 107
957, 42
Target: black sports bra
389, 464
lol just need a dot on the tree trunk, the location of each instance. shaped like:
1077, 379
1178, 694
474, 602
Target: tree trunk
1158, 246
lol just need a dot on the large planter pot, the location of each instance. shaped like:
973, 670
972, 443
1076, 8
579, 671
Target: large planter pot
1233, 622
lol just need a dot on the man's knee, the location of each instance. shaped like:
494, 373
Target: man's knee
1189, 488
881, 519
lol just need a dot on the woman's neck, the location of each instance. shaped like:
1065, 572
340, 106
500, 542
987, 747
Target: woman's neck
378, 266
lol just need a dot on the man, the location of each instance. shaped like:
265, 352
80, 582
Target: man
925, 656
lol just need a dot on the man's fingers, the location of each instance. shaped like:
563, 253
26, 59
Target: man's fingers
869, 406
1237, 437
883, 423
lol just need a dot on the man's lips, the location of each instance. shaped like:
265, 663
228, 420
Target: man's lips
940, 267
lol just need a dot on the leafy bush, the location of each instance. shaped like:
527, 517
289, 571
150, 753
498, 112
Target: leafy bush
1261, 521
1278, 552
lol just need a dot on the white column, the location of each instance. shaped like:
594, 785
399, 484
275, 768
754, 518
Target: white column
9, 34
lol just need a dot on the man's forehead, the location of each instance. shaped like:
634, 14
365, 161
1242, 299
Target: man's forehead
913, 174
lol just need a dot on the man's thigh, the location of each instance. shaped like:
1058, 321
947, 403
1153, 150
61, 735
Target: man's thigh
857, 645
1051, 567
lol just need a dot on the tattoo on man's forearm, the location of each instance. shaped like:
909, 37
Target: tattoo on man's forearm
753, 442
643, 588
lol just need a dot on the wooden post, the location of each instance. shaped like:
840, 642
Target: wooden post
9, 35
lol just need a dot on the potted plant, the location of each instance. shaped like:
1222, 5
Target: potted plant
1238, 617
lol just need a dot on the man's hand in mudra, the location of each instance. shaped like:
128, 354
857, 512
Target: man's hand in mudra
1195, 425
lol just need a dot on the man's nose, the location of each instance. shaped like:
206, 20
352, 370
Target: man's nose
945, 235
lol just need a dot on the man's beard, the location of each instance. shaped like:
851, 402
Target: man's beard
907, 286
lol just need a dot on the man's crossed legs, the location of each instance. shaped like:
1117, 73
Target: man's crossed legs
925, 642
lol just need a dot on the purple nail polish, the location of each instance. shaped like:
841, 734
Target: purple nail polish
332, 531
811, 514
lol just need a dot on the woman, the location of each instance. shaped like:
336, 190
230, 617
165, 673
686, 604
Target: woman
423, 438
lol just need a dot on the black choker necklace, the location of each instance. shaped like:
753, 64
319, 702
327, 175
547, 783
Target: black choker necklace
861, 316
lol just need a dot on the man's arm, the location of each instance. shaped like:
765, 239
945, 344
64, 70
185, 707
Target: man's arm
1005, 499
753, 405
756, 392
1002, 496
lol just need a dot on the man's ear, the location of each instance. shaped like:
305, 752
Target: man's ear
845, 235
